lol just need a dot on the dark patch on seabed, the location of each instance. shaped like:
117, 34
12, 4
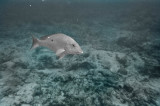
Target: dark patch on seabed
120, 65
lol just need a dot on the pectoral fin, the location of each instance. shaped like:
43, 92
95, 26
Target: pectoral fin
60, 53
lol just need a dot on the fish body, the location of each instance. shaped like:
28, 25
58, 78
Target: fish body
61, 44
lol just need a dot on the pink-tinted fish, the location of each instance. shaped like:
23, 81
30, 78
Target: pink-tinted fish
61, 44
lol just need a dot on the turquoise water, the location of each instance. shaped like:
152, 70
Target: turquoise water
120, 65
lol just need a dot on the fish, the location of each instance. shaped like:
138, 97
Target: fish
60, 43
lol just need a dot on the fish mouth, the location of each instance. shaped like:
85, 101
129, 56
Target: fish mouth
80, 52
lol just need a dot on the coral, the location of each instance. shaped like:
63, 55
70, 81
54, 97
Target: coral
119, 67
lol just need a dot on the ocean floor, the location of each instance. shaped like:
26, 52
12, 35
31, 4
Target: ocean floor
120, 65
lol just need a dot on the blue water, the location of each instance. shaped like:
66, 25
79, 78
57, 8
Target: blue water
120, 65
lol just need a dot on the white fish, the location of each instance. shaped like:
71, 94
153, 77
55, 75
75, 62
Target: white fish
61, 44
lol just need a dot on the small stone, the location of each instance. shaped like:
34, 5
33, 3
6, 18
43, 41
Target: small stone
128, 88
122, 71
25, 105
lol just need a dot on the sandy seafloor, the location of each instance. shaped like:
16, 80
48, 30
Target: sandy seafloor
120, 65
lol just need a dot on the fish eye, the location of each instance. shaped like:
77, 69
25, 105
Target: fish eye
73, 45
52, 40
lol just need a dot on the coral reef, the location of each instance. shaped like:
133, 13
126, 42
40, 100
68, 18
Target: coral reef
120, 65
96, 77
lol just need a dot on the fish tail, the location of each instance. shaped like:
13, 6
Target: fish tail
35, 43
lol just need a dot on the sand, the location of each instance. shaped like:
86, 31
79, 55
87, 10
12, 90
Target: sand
119, 67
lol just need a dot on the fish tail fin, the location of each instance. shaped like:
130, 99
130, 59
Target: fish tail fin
35, 43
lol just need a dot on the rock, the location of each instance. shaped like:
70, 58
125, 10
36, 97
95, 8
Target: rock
151, 68
18, 62
122, 71
122, 60
83, 65
25, 94
0, 76
25, 105
9, 64
97, 77
37, 91
128, 88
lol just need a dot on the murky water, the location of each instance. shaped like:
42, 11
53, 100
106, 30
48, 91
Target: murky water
119, 67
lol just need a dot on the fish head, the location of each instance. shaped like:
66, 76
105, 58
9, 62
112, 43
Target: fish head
74, 48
